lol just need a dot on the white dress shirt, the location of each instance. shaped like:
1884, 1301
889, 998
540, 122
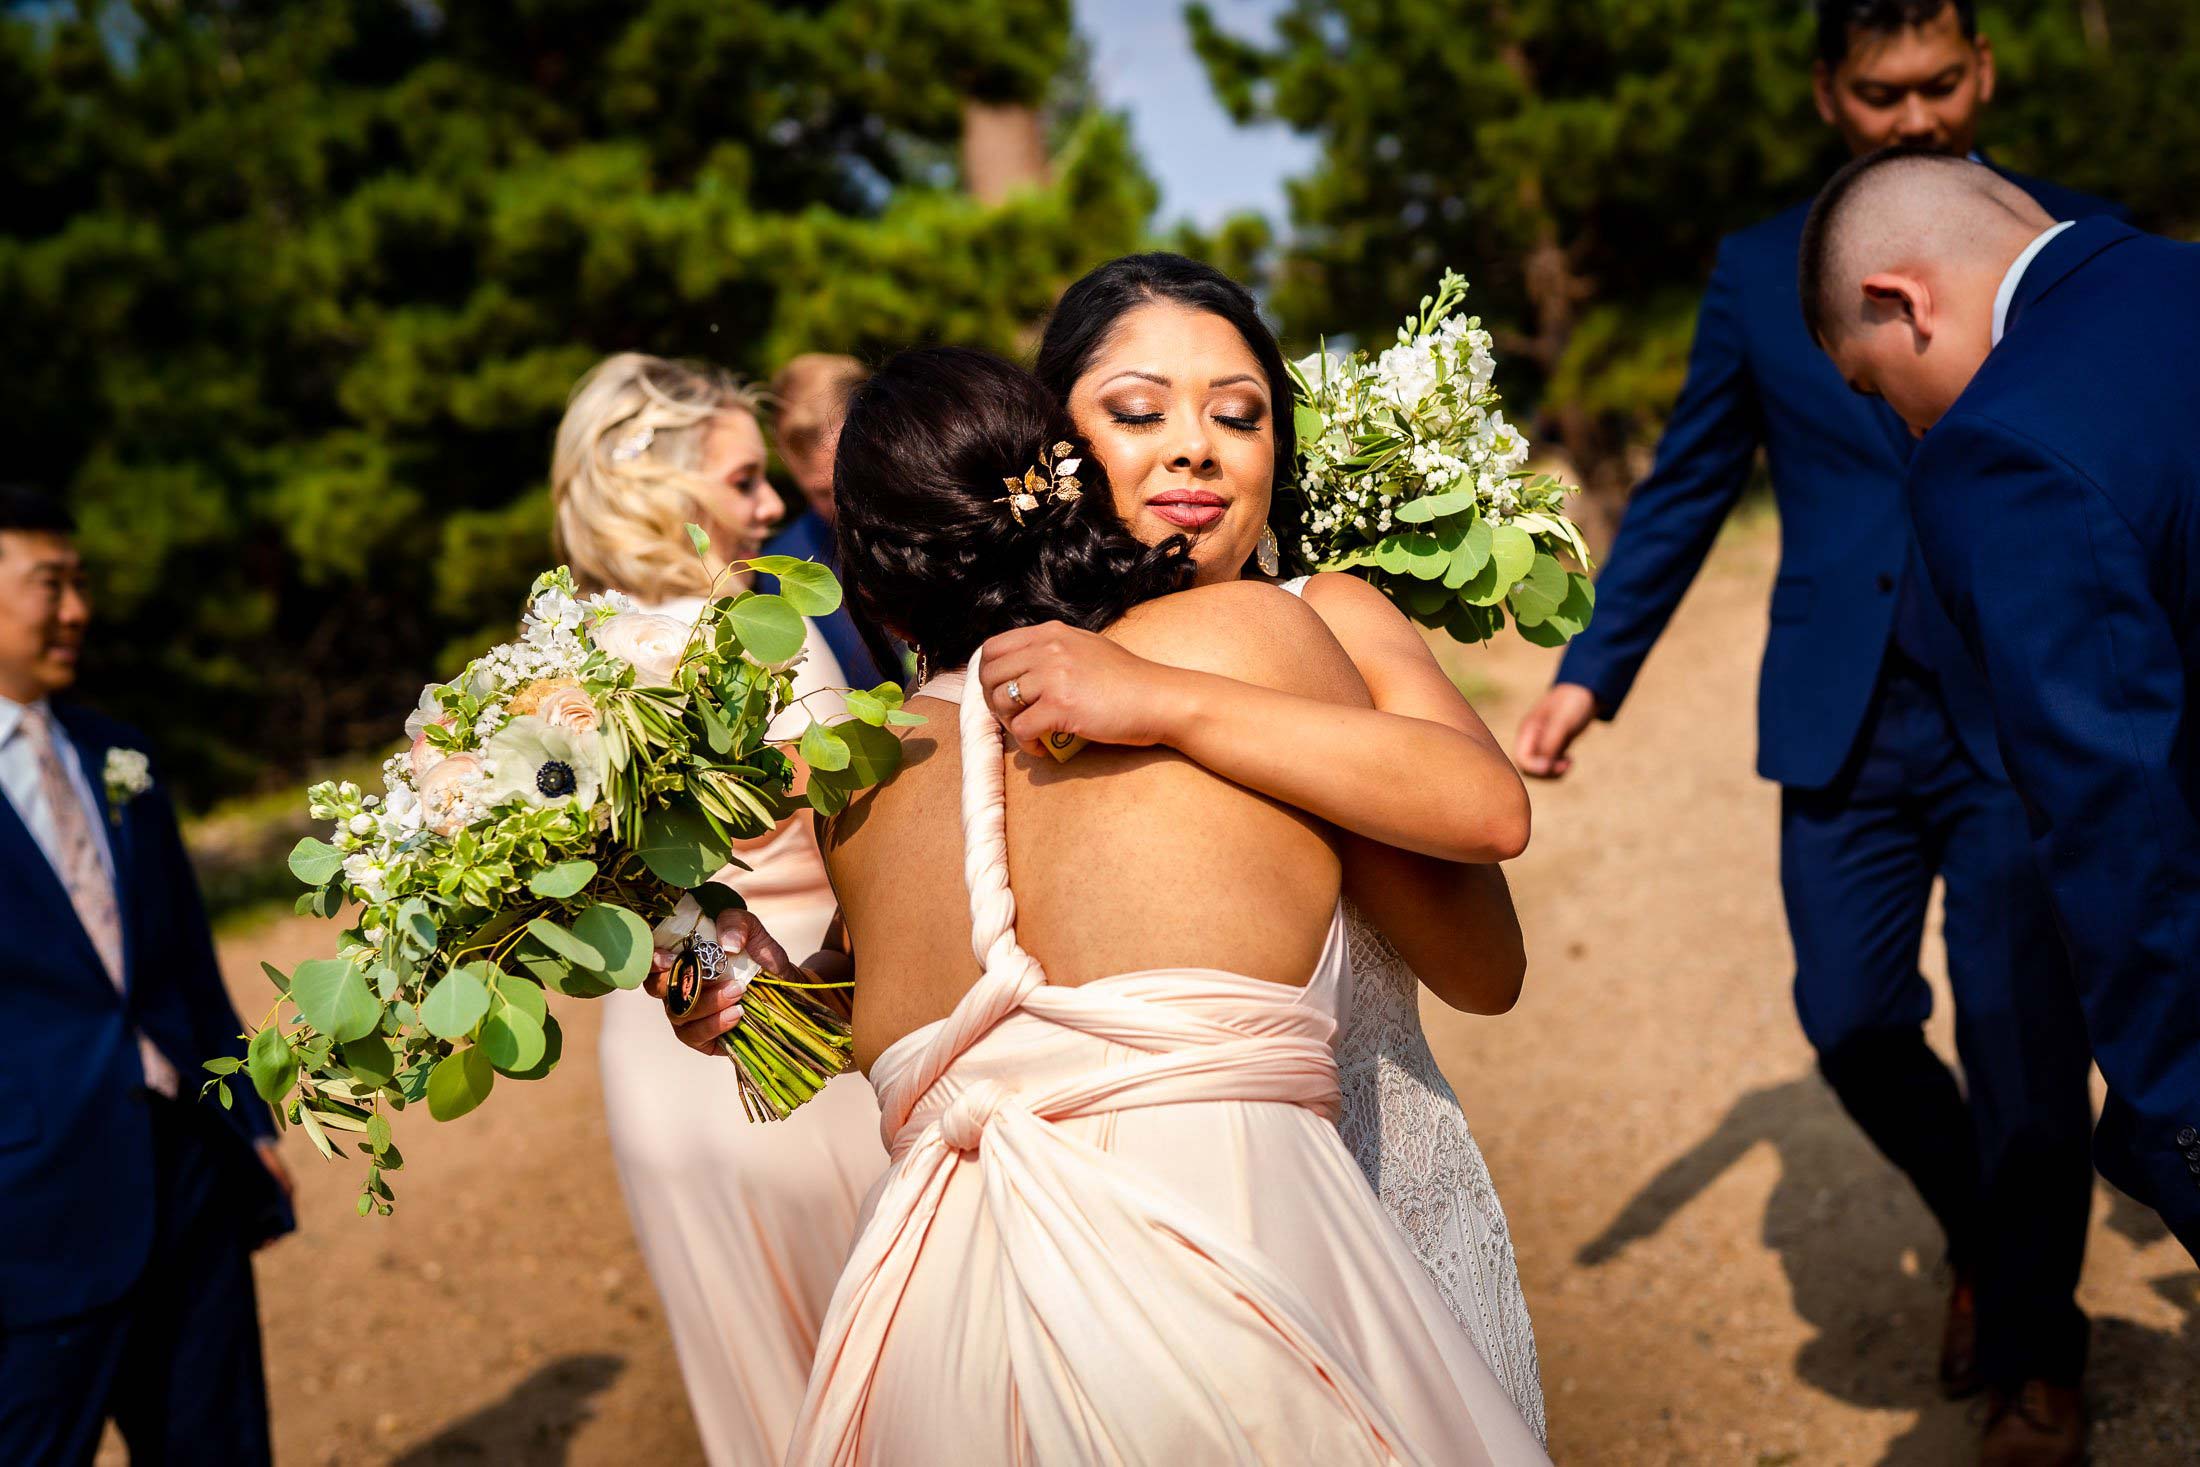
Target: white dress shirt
2005, 296
20, 783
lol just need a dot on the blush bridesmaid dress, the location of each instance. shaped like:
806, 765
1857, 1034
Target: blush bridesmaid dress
1119, 1226
744, 1225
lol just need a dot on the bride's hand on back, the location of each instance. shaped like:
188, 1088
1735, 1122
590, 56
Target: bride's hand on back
717, 1009
1077, 682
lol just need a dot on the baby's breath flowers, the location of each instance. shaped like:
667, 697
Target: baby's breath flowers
559, 798
1411, 475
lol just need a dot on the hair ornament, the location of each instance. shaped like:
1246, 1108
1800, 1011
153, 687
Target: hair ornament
633, 445
1057, 485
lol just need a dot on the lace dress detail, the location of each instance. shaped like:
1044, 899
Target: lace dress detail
1403, 1125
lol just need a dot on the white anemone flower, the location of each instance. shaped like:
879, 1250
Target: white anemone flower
541, 764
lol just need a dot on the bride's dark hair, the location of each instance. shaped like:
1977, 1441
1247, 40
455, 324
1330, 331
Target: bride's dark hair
928, 546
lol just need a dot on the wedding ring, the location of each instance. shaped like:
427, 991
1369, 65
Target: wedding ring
1015, 693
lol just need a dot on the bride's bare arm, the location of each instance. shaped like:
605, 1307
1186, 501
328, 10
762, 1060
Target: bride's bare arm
1417, 770
1453, 922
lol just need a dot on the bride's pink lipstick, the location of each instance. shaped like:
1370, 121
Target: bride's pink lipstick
1189, 509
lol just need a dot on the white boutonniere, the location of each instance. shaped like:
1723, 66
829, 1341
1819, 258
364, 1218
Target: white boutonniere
128, 774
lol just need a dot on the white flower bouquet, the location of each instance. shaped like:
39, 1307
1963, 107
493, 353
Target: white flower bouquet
1412, 476
566, 794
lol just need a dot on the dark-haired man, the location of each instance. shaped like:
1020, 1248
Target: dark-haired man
2059, 513
1880, 733
128, 1207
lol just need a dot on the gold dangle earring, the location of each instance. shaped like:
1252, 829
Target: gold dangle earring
1268, 555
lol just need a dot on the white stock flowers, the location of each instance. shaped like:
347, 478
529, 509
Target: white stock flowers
1411, 475
559, 798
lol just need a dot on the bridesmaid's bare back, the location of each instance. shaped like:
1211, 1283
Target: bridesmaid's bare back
1123, 859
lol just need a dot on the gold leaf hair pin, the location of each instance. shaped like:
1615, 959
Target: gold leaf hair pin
1058, 485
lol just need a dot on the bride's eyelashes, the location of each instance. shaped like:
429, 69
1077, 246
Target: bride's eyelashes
1148, 420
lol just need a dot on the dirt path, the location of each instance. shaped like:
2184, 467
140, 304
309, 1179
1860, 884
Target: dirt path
1720, 1269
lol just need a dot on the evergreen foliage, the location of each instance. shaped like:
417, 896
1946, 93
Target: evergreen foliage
292, 291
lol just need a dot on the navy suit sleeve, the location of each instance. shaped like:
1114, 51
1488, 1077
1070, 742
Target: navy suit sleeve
1674, 515
2052, 588
187, 956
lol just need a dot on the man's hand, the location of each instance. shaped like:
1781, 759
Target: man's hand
1550, 729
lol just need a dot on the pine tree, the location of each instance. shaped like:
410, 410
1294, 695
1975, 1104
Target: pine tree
293, 290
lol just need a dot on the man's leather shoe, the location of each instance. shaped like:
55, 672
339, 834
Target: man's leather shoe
2035, 1425
1959, 1372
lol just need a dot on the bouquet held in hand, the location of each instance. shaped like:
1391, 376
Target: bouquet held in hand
1412, 477
561, 809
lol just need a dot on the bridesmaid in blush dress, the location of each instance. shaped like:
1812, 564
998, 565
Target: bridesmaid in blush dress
1119, 1224
744, 1227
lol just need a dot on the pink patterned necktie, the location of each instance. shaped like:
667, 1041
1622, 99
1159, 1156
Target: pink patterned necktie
83, 872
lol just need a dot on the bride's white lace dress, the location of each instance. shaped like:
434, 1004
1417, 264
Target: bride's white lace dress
1404, 1126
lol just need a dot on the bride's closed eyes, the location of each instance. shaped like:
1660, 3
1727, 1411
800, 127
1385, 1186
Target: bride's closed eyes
1239, 418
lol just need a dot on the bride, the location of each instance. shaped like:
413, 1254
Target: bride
1119, 1223
1170, 373
1181, 391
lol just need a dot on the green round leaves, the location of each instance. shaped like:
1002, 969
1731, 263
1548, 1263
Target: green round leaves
821, 748
512, 1038
458, 1083
680, 847
768, 627
805, 585
272, 1064
315, 861
1539, 592
1512, 551
1469, 556
456, 1003
620, 938
562, 880
332, 995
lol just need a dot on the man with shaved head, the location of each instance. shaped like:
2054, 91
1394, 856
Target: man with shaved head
2049, 370
1878, 731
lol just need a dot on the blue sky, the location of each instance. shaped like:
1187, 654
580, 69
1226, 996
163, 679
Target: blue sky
1208, 168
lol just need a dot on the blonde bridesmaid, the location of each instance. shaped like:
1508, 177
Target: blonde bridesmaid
744, 1226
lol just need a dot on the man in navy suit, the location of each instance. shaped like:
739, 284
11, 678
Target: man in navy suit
810, 398
2048, 368
129, 1208
1881, 736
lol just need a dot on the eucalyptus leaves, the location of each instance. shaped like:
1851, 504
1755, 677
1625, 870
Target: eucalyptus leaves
558, 800
1411, 475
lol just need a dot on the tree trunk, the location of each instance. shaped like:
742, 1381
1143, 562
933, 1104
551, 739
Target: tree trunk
1596, 445
2093, 15
1003, 149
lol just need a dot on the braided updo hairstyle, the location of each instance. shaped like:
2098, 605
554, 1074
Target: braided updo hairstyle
929, 549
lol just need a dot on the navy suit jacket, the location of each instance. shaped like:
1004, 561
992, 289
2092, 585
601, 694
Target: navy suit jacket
806, 538
77, 1178
2058, 507
1755, 378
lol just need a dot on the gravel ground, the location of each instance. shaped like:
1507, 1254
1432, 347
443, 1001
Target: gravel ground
1720, 1269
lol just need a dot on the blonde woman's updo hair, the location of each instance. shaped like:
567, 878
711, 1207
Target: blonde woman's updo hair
625, 476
